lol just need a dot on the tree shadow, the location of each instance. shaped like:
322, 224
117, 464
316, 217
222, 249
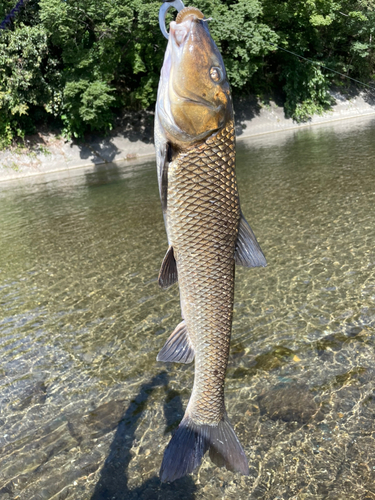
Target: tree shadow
245, 109
133, 134
113, 482
352, 91
102, 175
249, 106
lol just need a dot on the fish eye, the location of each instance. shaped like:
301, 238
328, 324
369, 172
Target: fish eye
216, 74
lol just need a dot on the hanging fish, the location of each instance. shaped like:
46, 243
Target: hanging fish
207, 235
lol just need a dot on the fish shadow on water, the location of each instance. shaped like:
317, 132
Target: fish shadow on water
113, 482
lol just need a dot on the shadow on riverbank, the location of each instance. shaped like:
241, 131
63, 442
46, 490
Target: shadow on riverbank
132, 136
113, 482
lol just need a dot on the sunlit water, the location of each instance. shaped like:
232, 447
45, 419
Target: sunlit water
85, 409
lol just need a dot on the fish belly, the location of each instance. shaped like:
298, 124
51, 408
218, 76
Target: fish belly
203, 216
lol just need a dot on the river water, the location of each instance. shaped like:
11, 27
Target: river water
85, 409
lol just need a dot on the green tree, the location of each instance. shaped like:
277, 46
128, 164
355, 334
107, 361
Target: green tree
335, 34
24, 61
81, 61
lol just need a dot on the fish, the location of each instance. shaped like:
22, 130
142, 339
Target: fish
207, 235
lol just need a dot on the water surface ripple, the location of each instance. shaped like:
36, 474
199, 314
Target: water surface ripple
85, 409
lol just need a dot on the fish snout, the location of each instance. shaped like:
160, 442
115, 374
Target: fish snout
179, 32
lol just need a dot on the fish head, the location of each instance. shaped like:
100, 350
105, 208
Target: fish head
194, 95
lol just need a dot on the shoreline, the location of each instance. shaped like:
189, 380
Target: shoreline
253, 118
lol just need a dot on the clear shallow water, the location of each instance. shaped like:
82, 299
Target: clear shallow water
86, 411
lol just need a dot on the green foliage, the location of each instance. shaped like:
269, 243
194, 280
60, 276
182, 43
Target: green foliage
106, 49
306, 90
6, 135
79, 62
87, 104
337, 34
23, 61
81, 59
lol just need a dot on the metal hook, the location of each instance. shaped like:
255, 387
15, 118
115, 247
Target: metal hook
177, 4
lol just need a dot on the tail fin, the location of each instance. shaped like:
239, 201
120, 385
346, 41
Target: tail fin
191, 441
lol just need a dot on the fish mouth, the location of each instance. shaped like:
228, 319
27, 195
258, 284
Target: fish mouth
179, 32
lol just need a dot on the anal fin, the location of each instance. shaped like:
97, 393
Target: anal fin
248, 252
178, 348
168, 270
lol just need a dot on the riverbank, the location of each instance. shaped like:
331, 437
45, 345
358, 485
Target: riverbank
46, 152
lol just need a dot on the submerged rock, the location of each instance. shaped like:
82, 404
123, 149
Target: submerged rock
290, 403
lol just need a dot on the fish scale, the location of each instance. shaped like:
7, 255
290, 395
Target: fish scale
203, 221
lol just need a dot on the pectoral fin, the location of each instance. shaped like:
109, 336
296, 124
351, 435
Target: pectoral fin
168, 270
178, 348
248, 252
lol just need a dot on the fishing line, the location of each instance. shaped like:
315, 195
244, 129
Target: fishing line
322, 65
